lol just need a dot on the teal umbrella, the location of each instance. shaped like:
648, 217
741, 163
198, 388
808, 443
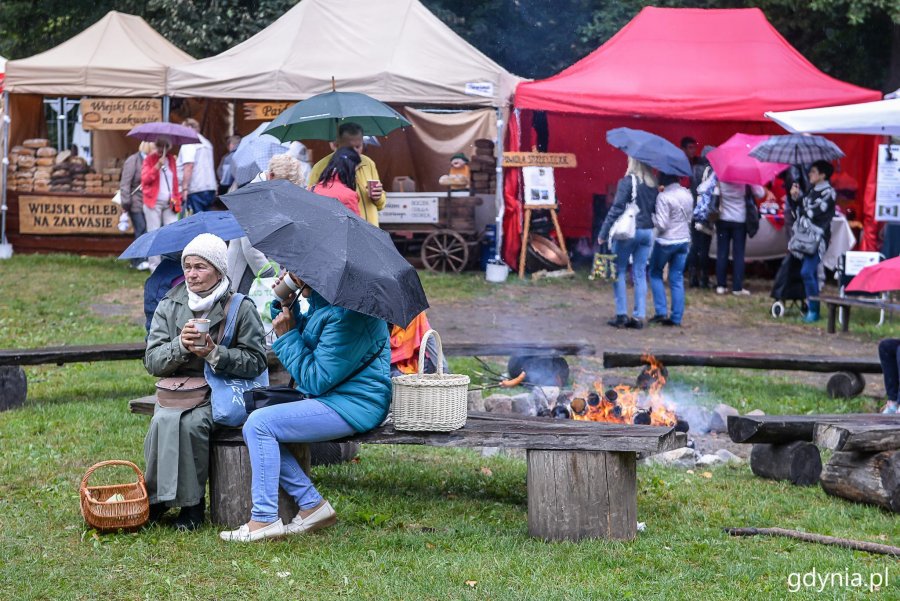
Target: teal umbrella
318, 117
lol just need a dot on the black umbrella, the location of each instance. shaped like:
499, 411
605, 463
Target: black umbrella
350, 262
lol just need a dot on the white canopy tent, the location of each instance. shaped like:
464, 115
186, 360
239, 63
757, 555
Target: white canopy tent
881, 117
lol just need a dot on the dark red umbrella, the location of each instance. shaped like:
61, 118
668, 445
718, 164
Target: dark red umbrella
880, 277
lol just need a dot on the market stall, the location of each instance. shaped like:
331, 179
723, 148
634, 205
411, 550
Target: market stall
707, 74
98, 85
403, 55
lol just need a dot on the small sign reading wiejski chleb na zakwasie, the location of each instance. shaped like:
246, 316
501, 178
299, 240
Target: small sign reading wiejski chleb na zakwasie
73, 215
119, 113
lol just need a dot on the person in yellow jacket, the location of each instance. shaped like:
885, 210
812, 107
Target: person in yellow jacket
351, 135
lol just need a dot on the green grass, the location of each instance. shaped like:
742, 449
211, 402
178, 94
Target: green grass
416, 523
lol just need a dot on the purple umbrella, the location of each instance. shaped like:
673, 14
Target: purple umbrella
179, 134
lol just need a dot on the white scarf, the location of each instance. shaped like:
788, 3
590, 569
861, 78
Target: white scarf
203, 303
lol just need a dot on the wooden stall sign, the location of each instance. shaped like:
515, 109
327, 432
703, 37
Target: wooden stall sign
68, 215
119, 113
539, 159
264, 111
409, 207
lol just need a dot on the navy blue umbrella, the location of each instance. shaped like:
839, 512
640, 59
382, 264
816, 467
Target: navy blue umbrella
175, 236
651, 149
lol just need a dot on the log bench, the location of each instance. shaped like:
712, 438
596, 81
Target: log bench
581, 476
847, 379
865, 465
13, 381
834, 303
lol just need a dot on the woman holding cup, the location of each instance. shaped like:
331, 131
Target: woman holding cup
183, 337
340, 360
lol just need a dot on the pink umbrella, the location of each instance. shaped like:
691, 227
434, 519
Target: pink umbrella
880, 277
733, 164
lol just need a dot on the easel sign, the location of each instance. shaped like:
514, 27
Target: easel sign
540, 187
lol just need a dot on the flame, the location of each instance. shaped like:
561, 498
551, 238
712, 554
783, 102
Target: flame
631, 401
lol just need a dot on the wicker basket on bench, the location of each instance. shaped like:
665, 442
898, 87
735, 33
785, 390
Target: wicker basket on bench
430, 402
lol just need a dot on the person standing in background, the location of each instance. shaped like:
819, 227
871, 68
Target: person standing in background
132, 198
225, 172
197, 171
701, 232
350, 135
672, 221
738, 218
159, 186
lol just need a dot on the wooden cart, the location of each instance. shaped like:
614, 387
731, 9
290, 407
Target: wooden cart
439, 225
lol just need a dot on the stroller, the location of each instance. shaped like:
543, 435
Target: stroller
788, 288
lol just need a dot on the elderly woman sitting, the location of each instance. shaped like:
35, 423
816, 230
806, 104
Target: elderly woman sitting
177, 446
340, 360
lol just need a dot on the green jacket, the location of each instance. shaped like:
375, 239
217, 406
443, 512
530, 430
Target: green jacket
164, 357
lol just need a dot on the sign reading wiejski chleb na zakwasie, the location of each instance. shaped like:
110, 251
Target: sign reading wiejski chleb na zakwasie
119, 113
68, 215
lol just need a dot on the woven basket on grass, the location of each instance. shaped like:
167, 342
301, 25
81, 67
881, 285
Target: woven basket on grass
103, 514
432, 402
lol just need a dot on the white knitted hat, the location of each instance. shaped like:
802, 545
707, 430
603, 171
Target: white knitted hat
209, 247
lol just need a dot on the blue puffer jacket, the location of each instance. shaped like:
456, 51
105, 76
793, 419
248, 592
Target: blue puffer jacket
327, 346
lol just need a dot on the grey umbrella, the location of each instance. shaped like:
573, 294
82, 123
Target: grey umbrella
796, 149
253, 154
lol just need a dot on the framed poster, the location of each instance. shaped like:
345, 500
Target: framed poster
540, 187
887, 195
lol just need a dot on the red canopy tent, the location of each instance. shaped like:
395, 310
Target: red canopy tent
676, 72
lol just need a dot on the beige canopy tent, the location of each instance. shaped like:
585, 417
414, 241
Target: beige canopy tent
118, 56
394, 50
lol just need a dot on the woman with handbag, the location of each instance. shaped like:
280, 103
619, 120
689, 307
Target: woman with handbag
630, 227
176, 448
811, 230
738, 219
341, 362
159, 185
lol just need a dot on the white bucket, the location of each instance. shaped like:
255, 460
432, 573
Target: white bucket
6, 251
496, 271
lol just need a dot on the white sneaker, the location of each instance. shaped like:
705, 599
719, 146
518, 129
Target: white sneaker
243, 534
742, 292
144, 266
322, 517
720, 289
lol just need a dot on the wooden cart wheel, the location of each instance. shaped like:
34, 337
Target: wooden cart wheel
445, 250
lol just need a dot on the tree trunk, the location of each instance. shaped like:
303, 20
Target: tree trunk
13, 387
863, 438
582, 494
892, 81
845, 385
872, 478
799, 462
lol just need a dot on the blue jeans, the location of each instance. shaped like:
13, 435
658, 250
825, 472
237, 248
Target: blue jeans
809, 273
273, 464
675, 255
638, 250
730, 235
200, 201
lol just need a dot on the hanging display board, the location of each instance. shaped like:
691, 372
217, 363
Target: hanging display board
264, 111
539, 159
119, 113
68, 215
887, 196
540, 187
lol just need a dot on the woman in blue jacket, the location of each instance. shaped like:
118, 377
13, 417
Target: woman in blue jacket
340, 360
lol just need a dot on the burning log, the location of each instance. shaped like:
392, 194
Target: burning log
579, 406
682, 425
642, 418
560, 412
798, 461
872, 478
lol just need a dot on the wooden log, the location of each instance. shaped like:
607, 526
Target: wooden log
229, 484
787, 428
871, 478
799, 462
845, 385
13, 387
768, 361
865, 438
573, 495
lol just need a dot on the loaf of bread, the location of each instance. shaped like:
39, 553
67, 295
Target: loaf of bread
46, 151
36, 143
45, 162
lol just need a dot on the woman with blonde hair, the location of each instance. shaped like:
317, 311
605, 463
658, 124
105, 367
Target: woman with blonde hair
284, 166
638, 186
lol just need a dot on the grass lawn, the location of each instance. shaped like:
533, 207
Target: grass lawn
415, 523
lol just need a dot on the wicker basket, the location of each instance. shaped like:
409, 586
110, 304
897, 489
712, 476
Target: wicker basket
113, 515
433, 402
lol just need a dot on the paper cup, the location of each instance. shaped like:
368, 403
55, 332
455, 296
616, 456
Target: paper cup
370, 186
202, 326
285, 287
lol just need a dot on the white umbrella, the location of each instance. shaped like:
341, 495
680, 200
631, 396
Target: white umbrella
881, 117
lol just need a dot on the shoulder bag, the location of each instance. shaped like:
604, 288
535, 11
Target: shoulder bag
625, 226
182, 392
227, 391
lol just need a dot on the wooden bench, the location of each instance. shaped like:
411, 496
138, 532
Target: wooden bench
13, 382
865, 465
581, 476
846, 382
834, 303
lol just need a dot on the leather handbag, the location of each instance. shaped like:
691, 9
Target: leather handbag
182, 392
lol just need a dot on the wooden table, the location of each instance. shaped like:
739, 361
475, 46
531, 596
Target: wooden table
834, 303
